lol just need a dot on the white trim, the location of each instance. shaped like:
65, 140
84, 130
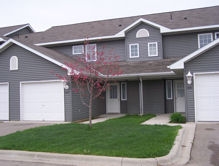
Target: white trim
2, 40
201, 34
130, 55
34, 82
10, 41
150, 50
7, 84
215, 35
25, 26
191, 29
195, 87
141, 20
125, 84
79, 40
180, 63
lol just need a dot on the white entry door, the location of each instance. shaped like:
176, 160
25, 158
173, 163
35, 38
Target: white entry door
4, 102
113, 98
179, 96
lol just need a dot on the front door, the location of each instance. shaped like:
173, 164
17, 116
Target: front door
179, 96
113, 98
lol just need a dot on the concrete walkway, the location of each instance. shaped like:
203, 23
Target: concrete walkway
178, 156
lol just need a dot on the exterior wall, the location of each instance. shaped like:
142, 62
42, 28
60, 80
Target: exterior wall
207, 62
133, 106
30, 68
180, 45
154, 98
110, 48
21, 32
81, 112
154, 36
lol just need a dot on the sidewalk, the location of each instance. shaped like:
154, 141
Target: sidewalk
178, 156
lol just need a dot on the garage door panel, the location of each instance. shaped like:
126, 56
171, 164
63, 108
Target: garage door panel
207, 97
4, 102
43, 101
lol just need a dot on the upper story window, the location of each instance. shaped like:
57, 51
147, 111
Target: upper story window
142, 33
204, 39
78, 49
216, 35
91, 52
152, 49
134, 50
13, 63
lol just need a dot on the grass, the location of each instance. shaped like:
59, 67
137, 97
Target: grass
123, 137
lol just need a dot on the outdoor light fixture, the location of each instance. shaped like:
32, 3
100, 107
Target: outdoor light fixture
66, 85
189, 78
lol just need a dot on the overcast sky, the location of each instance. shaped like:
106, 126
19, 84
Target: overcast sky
42, 14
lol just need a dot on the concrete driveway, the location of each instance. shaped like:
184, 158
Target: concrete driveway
205, 150
13, 126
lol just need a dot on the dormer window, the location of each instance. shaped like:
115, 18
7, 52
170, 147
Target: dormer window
13, 63
142, 33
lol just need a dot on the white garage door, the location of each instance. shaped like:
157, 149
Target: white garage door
207, 97
43, 101
4, 102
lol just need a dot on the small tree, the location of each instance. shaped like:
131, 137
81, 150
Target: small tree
92, 73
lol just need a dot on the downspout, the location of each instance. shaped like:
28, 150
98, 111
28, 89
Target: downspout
141, 97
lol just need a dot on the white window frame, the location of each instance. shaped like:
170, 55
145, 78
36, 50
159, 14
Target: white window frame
123, 98
13, 63
199, 45
149, 51
130, 50
93, 50
215, 35
169, 96
75, 49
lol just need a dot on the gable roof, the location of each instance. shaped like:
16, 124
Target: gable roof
5, 31
180, 64
168, 22
48, 54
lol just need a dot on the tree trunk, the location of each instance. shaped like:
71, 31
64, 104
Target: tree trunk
90, 107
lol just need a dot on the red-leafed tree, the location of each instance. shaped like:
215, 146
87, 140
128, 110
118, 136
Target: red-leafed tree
92, 72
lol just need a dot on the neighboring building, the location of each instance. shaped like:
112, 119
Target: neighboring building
156, 54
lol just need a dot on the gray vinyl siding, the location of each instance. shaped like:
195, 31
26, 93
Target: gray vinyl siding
31, 67
179, 45
133, 106
154, 36
81, 112
20, 32
109, 48
207, 62
154, 99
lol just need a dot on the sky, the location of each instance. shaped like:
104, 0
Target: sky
43, 14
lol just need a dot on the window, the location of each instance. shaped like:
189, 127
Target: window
152, 49
204, 39
216, 35
13, 63
142, 33
78, 49
123, 91
133, 50
113, 91
91, 52
169, 89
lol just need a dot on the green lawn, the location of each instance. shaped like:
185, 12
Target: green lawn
123, 137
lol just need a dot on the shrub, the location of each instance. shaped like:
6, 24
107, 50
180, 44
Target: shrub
177, 118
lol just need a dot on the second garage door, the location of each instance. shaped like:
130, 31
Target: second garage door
207, 97
42, 101
4, 101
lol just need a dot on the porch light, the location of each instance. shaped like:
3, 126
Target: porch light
189, 78
66, 86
